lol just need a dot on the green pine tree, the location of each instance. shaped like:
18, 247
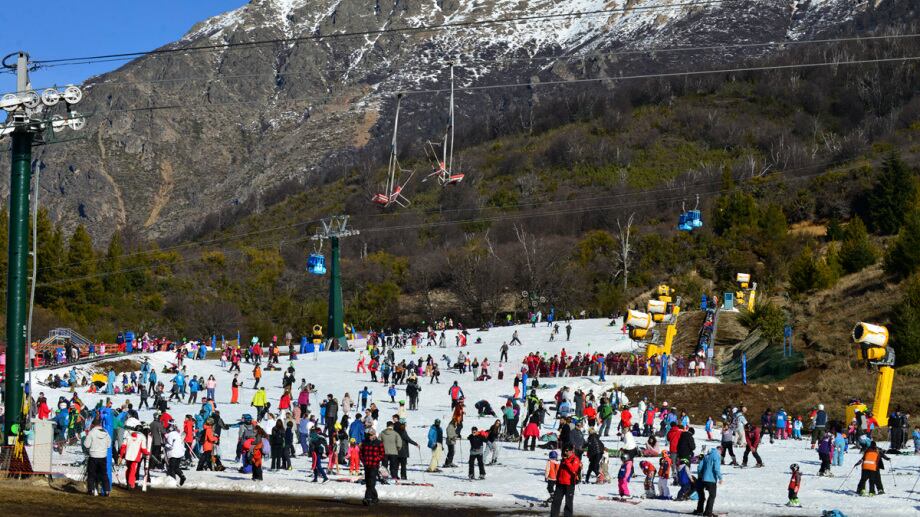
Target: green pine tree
856, 252
905, 324
82, 285
114, 279
903, 257
892, 197
51, 258
808, 272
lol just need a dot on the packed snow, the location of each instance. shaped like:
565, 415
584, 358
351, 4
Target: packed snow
517, 482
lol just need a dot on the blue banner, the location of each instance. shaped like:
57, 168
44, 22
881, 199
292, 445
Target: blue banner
744, 368
664, 368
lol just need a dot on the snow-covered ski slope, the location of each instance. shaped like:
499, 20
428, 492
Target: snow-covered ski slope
518, 481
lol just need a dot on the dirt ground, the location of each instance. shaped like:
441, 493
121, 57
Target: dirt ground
64, 497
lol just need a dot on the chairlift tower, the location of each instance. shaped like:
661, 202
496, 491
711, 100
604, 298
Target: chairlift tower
28, 123
335, 228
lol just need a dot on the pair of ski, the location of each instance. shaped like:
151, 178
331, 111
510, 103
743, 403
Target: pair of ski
398, 482
472, 494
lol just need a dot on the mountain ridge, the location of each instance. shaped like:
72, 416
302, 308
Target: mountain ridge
180, 136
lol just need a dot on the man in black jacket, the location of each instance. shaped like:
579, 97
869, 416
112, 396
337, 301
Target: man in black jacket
412, 389
477, 440
685, 445
595, 454
404, 450
332, 414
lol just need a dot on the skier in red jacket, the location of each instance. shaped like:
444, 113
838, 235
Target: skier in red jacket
568, 475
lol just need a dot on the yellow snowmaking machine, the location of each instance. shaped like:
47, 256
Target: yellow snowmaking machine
873, 340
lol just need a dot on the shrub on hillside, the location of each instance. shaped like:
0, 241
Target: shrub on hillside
808, 272
769, 318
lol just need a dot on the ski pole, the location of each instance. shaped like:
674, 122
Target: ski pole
848, 477
894, 479
915, 484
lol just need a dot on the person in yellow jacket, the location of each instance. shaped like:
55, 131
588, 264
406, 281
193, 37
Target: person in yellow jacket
260, 402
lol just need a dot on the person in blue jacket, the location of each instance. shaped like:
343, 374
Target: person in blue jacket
145, 371
179, 379
193, 387
435, 443
781, 418
708, 473
110, 383
207, 409
356, 429
840, 447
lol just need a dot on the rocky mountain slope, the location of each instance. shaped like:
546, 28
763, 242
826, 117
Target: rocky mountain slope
175, 137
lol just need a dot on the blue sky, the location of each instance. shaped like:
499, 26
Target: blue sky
53, 29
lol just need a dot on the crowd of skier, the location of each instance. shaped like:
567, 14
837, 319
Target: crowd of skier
352, 436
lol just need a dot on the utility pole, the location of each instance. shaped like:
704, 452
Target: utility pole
335, 228
26, 126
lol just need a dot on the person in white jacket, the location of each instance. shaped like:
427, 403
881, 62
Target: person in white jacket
97, 443
133, 450
175, 452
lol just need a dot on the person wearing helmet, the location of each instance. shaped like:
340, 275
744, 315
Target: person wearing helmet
550, 473
175, 452
795, 481
133, 450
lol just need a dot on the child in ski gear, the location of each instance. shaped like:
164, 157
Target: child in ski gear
840, 446
825, 449
551, 471
664, 475
797, 428
604, 477
354, 457
392, 393
649, 470
685, 479
795, 481
625, 475
709, 428
872, 464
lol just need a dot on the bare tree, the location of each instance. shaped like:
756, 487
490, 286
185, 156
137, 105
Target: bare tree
623, 259
479, 278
